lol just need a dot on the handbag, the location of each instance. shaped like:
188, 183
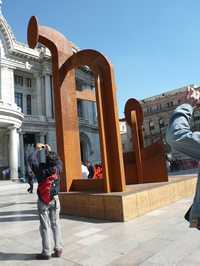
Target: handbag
45, 187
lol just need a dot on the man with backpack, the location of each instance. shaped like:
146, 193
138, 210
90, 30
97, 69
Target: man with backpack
48, 177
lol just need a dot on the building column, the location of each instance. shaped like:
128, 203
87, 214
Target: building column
39, 93
13, 152
51, 139
21, 148
42, 140
48, 97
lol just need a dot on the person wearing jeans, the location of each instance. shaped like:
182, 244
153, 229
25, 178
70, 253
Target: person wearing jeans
50, 213
181, 138
48, 205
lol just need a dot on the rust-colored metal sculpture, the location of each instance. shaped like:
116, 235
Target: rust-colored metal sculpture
67, 131
144, 165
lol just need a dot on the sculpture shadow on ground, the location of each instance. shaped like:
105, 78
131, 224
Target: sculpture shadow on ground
4, 205
3, 193
18, 212
20, 215
4, 256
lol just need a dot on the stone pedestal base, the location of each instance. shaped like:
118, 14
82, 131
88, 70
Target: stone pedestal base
136, 201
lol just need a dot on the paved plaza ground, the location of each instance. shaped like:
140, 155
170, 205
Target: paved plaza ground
161, 237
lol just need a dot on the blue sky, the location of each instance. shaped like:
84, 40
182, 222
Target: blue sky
153, 45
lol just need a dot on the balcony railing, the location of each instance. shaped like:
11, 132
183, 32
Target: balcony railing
41, 118
35, 118
163, 109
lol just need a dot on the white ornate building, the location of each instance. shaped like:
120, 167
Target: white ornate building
27, 104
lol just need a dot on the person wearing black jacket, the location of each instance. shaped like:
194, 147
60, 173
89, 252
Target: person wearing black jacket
90, 169
48, 212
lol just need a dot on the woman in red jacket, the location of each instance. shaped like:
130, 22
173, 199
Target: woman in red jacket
98, 172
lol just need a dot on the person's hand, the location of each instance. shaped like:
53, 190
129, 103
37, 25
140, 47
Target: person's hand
40, 146
47, 147
192, 97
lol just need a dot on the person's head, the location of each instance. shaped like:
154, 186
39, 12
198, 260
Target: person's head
88, 163
96, 166
52, 158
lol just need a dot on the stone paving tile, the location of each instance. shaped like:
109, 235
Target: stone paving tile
153, 264
140, 254
52, 262
99, 258
152, 239
177, 250
90, 240
78, 256
88, 232
192, 258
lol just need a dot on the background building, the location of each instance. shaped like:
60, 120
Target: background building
157, 111
126, 136
27, 104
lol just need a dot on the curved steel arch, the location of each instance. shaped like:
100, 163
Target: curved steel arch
111, 148
68, 140
67, 130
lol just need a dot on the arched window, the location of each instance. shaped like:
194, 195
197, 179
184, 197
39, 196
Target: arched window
28, 99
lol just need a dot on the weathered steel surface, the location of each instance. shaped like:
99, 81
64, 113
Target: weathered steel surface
67, 132
145, 164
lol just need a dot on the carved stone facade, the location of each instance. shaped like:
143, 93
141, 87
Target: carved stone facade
27, 104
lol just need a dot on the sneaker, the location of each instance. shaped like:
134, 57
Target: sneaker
42, 256
57, 253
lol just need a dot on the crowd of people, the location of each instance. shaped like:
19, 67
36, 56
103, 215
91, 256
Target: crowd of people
91, 172
88, 172
174, 165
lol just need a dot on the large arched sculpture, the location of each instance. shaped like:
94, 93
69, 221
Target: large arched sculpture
67, 132
144, 164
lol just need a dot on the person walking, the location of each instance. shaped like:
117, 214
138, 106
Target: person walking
181, 138
30, 175
48, 176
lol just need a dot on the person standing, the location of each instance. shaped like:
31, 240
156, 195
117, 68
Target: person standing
85, 171
181, 138
98, 171
30, 175
48, 176
90, 169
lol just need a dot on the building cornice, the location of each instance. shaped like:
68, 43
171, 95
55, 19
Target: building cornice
16, 48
